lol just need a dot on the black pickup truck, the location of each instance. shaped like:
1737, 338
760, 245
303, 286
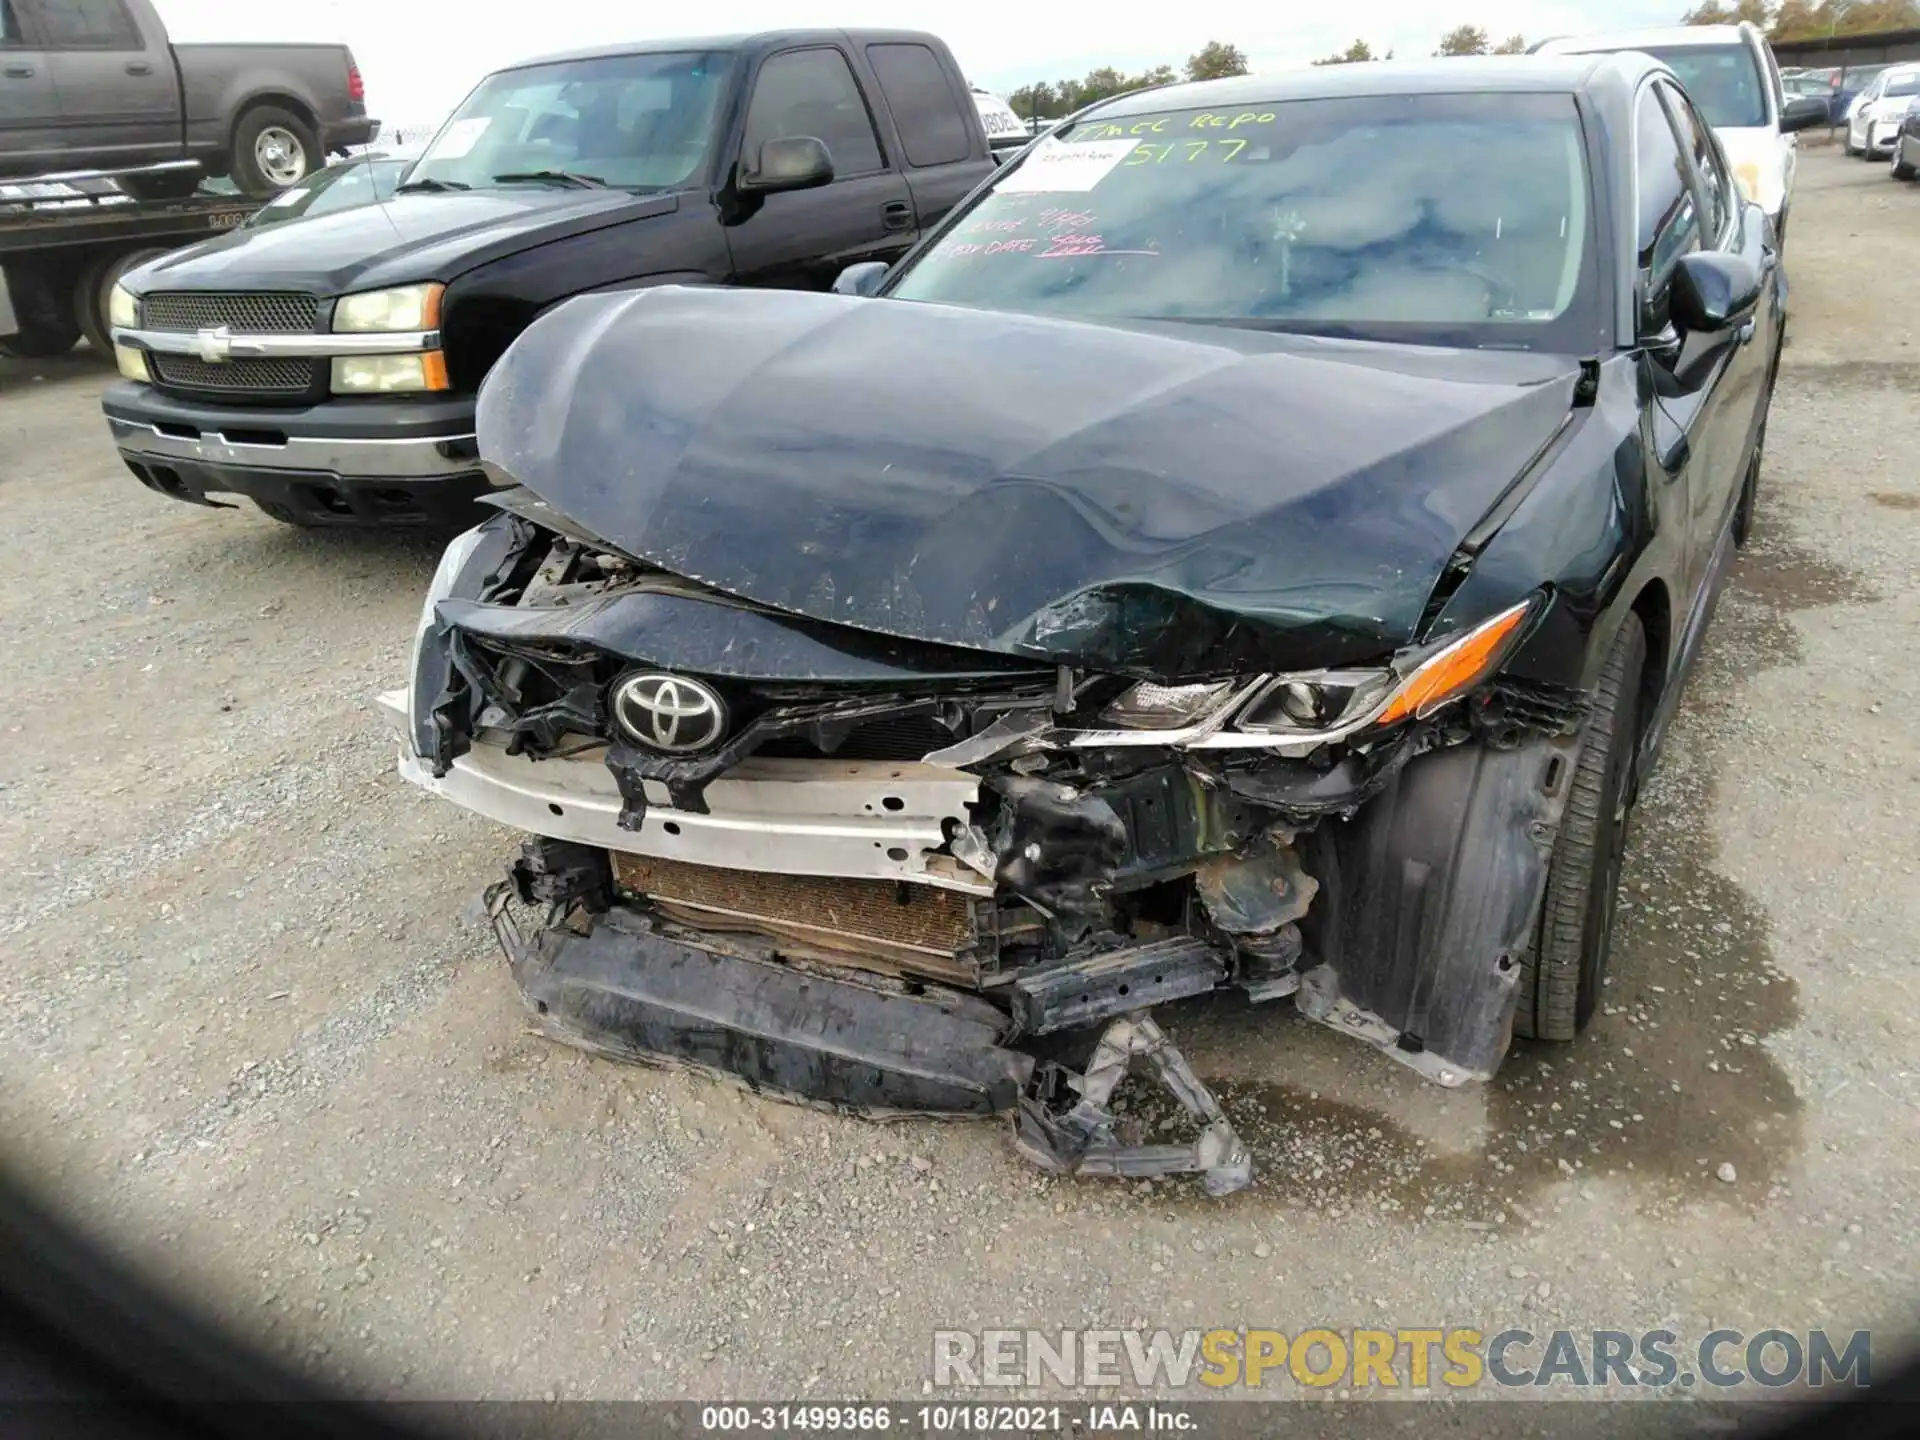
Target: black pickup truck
98, 84
327, 368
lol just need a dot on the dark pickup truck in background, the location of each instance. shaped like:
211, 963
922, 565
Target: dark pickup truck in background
327, 368
96, 84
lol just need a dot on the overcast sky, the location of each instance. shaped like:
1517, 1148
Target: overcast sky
421, 56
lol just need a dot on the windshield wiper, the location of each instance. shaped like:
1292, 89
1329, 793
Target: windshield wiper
430, 185
578, 181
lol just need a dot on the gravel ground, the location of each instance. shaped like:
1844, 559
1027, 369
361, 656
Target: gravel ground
252, 1034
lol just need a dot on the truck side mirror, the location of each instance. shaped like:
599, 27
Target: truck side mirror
861, 279
796, 162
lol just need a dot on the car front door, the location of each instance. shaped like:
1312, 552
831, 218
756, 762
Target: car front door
802, 239
1679, 429
29, 111
117, 98
1734, 391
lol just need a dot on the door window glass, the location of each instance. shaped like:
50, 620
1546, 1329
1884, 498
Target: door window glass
89, 25
812, 92
933, 128
1668, 222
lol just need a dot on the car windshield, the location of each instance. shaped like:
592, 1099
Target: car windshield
641, 122
339, 187
1444, 219
1721, 79
1901, 85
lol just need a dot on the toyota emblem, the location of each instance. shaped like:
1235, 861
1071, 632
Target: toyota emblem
670, 712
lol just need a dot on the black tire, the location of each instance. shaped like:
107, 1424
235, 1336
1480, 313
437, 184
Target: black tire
1902, 170
1561, 975
245, 163
43, 309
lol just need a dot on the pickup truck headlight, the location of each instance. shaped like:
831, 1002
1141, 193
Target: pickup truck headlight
389, 374
410, 307
123, 310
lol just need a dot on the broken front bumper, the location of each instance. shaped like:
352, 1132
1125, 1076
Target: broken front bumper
813, 934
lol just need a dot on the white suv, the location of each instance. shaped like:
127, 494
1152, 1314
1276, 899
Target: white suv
1730, 74
1873, 124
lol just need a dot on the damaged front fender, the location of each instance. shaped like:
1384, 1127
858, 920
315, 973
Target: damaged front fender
1429, 900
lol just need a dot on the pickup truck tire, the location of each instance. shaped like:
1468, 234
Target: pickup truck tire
273, 149
43, 309
1561, 975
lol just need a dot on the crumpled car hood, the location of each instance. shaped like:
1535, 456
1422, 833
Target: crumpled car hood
1160, 500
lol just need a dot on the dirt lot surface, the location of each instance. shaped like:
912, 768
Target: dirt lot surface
251, 1033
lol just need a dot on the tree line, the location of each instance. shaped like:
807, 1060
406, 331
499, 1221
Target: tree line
1050, 99
1805, 20
1781, 19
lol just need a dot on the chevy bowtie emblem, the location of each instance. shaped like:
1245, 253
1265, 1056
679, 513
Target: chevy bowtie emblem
214, 346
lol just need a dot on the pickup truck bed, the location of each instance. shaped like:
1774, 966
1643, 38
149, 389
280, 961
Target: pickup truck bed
95, 84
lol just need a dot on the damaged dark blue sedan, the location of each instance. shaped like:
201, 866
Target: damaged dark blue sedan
1256, 542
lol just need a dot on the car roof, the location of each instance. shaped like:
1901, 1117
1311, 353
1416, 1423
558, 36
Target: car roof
1519, 74
753, 41
1664, 36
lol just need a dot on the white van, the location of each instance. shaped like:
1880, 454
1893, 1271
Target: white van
1730, 73
1006, 131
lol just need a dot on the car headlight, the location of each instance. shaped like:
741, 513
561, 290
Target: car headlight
1312, 704
1318, 707
1148, 706
389, 374
410, 307
123, 310
1747, 176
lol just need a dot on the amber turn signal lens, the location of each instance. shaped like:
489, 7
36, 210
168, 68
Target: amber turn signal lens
1444, 675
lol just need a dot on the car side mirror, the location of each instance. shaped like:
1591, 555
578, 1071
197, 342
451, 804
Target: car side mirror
1713, 291
1803, 112
796, 162
861, 279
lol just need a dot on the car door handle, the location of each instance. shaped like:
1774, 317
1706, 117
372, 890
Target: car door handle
1747, 332
897, 215
20, 72
139, 67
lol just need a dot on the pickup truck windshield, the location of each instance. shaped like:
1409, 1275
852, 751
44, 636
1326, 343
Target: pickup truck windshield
1721, 79
1440, 219
641, 122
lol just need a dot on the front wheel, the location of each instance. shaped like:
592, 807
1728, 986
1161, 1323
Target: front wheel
272, 150
1901, 169
1563, 971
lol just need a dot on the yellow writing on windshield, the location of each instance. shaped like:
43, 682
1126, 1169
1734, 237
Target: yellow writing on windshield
1172, 124
1187, 150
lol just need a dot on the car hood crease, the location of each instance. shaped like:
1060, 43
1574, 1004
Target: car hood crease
1153, 499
